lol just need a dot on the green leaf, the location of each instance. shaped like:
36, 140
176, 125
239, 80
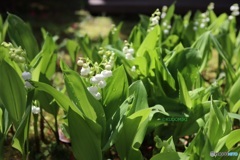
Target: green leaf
140, 96
233, 138
12, 93
82, 98
166, 155
132, 134
115, 92
184, 96
61, 99
20, 137
21, 35
45, 60
72, 47
149, 42
85, 137
234, 95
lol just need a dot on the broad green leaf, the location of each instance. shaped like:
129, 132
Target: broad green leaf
115, 92
202, 44
233, 138
45, 60
82, 98
166, 155
149, 42
133, 131
217, 122
184, 96
21, 35
114, 124
140, 96
234, 95
61, 99
72, 47
85, 137
132, 134
195, 120
21, 136
12, 93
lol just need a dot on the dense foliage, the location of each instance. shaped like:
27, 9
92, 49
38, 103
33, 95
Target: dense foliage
168, 92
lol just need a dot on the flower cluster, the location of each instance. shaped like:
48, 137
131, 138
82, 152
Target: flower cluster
166, 27
154, 20
202, 21
16, 54
235, 11
26, 77
97, 73
128, 51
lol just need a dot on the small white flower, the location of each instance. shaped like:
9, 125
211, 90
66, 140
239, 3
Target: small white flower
35, 110
202, 25
99, 77
133, 69
26, 75
106, 73
154, 20
207, 19
92, 89
130, 50
230, 17
163, 15
165, 31
125, 49
234, 7
235, 13
28, 85
94, 80
195, 28
102, 84
129, 56
164, 24
108, 66
85, 71
80, 62
97, 96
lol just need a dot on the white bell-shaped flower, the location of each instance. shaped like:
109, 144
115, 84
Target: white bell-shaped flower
35, 110
26, 75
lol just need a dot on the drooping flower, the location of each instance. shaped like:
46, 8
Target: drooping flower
26, 75
85, 71
28, 85
35, 110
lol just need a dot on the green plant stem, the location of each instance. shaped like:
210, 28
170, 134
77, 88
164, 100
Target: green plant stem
36, 136
56, 131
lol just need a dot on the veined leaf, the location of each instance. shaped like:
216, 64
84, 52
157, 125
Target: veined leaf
45, 60
133, 132
233, 138
115, 92
149, 42
82, 98
183, 92
12, 93
140, 96
85, 137
21, 35
62, 99
234, 95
